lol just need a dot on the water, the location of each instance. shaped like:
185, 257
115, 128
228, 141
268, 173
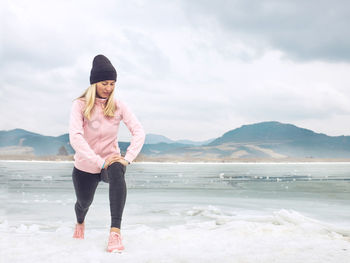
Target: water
182, 212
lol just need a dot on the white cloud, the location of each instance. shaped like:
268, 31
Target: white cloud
304, 30
184, 77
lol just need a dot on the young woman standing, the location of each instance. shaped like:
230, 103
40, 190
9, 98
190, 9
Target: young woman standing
93, 132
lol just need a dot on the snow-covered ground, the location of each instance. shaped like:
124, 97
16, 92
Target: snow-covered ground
283, 236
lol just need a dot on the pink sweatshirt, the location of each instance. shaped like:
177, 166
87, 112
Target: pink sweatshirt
97, 139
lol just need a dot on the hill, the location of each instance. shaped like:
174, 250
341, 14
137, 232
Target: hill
259, 141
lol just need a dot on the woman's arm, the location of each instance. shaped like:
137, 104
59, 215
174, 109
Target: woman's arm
136, 130
76, 136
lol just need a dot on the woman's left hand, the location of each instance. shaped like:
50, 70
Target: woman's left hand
123, 161
115, 158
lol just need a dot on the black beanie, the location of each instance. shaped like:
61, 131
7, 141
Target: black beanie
102, 69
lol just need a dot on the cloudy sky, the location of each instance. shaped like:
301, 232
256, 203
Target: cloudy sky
188, 69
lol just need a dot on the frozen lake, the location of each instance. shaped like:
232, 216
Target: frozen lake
182, 212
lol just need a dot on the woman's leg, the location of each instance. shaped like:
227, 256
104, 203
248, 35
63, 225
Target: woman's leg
85, 185
117, 193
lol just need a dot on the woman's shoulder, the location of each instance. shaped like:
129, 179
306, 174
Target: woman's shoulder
119, 103
80, 101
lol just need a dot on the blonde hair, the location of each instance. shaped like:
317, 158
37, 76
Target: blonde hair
89, 96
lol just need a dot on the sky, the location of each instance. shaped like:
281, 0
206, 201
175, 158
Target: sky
188, 69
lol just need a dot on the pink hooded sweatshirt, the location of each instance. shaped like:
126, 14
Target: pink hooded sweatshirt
95, 140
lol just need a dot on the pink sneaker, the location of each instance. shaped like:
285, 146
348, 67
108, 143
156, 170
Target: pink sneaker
115, 243
79, 231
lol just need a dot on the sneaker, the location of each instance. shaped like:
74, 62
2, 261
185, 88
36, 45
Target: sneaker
79, 231
115, 243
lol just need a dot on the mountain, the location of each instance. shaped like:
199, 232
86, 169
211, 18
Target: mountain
272, 131
40, 144
195, 142
285, 140
161, 148
265, 140
156, 138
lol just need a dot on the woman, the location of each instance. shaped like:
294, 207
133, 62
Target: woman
93, 128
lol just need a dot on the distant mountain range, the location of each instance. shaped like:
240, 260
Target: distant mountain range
155, 138
265, 140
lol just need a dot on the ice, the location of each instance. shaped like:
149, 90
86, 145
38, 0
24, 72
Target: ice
207, 213
283, 236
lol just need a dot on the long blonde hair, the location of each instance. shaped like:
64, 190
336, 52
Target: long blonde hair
89, 96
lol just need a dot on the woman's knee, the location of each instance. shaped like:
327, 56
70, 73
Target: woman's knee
116, 171
85, 204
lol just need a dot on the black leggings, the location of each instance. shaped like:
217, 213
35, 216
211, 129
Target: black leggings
85, 185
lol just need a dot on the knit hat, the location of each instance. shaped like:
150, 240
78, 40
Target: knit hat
102, 69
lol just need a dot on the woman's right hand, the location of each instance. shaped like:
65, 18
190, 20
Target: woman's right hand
112, 159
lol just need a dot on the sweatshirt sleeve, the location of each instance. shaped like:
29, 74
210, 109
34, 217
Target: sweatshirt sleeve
136, 130
76, 135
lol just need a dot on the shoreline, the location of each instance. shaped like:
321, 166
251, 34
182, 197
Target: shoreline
178, 159
196, 162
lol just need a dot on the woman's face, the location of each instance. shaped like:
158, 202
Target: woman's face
104, 88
